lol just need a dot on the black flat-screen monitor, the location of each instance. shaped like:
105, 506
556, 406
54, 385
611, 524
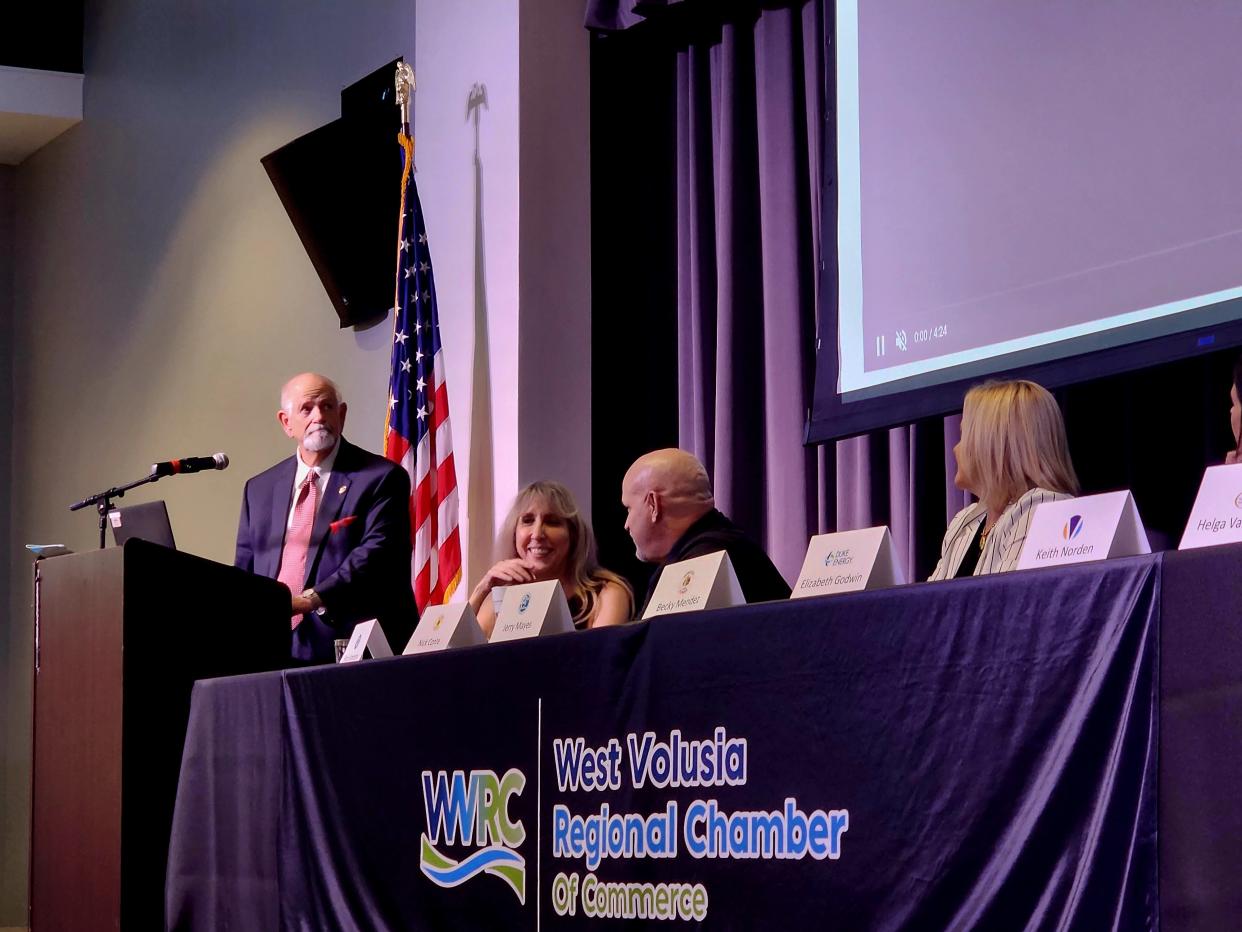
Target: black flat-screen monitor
341, 186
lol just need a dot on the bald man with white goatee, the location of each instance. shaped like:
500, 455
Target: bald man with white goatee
671, 516
332, 522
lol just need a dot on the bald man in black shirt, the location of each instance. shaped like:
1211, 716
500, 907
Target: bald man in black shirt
671, 516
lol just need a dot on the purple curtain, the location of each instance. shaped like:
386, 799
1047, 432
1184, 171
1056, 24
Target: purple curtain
750, 118
747, 178
750, 121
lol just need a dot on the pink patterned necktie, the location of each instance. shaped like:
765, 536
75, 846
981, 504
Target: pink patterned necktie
297, 538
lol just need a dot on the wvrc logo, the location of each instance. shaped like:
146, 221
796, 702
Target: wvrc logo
524, 604
1073, 527
473, 811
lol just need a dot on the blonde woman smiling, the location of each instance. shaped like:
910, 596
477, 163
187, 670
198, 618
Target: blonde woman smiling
545, 537
1012, 456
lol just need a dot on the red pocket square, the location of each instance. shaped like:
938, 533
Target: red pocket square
341, 523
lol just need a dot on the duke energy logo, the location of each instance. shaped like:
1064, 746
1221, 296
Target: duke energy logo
472, 811
1073, 527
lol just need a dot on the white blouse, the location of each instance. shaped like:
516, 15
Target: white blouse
1004, 543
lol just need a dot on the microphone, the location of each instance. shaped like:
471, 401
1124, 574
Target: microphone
189, 464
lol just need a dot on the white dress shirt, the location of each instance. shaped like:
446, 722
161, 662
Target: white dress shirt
323, 471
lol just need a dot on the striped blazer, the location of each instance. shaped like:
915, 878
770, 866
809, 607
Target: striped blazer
1005, 540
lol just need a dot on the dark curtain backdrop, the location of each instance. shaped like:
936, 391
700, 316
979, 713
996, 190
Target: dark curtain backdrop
708, 122
737, 103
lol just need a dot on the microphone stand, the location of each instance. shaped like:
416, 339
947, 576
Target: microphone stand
103, 502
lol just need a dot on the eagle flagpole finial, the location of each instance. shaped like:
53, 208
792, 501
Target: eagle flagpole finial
404, 79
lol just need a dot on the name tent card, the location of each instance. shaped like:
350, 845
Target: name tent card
443, 627
532, 610
1217, 515
1093, 527
368, 637
849, 561
694, 585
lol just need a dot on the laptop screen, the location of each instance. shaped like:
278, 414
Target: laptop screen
148, 521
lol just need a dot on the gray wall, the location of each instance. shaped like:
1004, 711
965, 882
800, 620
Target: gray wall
160, 294
555, 269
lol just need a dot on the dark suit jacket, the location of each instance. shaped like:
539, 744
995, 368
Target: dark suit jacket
359, 556
761, 581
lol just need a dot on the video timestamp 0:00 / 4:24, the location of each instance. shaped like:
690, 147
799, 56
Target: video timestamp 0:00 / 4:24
927, 334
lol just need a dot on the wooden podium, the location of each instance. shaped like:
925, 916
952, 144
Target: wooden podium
120, 637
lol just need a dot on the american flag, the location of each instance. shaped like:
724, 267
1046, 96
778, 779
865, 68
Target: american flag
416, 429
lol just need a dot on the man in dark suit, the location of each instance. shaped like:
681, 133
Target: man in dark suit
332, 522
671, 516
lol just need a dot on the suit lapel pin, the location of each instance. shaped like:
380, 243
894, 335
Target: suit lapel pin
341, 490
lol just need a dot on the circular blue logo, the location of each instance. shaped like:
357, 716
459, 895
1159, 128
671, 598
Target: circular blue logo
524, 604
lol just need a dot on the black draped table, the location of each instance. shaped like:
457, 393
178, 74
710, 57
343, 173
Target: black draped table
1050, 749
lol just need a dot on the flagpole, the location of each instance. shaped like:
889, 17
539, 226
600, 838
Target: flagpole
403, 80
416, 425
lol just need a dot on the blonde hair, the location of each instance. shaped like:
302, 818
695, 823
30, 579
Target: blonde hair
589, 578
1014, 437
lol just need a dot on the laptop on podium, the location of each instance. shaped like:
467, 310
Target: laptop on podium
148, 521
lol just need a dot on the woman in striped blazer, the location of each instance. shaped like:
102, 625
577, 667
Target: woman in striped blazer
1012, 457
